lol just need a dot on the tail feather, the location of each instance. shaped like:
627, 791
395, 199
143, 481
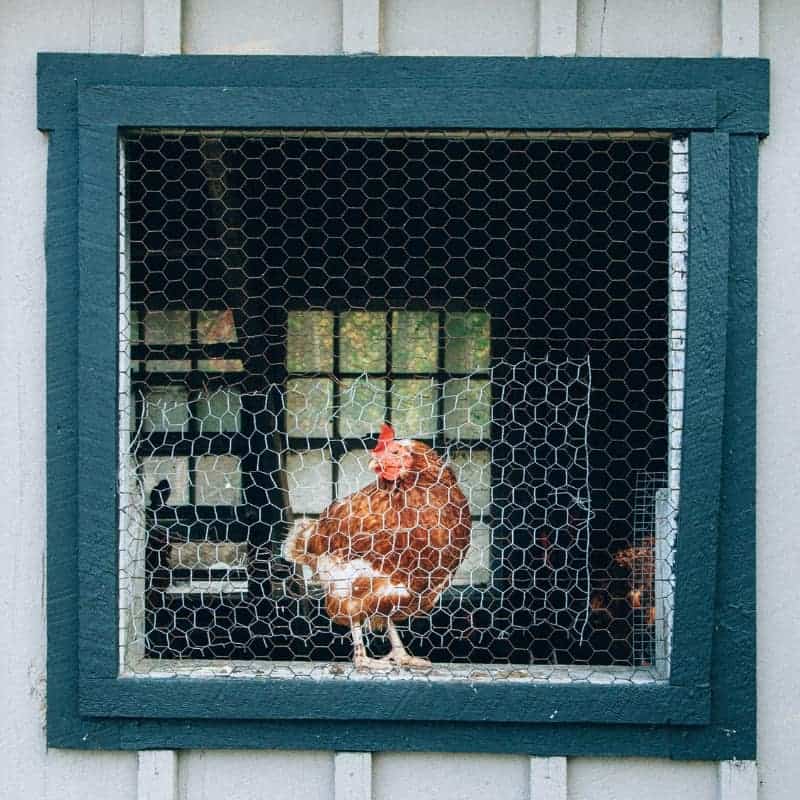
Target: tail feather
295, 546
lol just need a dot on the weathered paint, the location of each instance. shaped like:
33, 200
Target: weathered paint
701, 94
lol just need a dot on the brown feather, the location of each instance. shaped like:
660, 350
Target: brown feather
415, 531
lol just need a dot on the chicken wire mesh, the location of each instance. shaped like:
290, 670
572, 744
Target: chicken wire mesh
400, 403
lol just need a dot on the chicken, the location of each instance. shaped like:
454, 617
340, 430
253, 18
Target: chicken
641, 561
389, 550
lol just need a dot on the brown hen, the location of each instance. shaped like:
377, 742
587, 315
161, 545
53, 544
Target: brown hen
389, 550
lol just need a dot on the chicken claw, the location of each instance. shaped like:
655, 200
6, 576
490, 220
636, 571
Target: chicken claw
400, 656
364, 663
404, 659
361, 660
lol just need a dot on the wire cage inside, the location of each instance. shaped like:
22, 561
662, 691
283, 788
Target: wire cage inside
511, 302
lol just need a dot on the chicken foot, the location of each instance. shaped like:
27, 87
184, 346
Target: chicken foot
398, 656
360, 658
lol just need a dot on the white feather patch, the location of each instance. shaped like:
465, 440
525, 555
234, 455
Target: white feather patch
338, 576
400, 592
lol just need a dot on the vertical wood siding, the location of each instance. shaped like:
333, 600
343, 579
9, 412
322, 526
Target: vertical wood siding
558, 27
635, 28
157, 778
778, 419
262, 26
443, 27
361, 26
161, 23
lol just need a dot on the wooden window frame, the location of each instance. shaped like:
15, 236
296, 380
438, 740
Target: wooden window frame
706, 710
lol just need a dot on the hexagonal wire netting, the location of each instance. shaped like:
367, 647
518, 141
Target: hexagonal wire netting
511, 304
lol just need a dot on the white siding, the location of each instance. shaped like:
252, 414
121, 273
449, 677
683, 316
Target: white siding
778, 482
637, 778
262, 26
459, 28
27, 769
249, 774
448, 27
636, 28
447, 776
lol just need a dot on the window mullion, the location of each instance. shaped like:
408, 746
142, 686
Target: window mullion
389, 366
336, 400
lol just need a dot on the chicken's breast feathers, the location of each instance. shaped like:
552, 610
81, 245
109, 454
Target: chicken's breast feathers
397, 545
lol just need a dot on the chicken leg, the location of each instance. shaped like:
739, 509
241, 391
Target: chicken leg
360, 658
398, 657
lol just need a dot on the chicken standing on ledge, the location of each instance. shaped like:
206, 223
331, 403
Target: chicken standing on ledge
388, 551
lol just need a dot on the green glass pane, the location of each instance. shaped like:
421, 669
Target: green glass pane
167, 327
309, 479
159, 365
415, 341
220, 365
476, 568
208, 555
468, 337
414, 408
362, 403
309, 347
218, 481
309, 406
166, 409
354, 472
175, 470
362, 341
219, 411
473, 473
467, 408
215, 327
132, 335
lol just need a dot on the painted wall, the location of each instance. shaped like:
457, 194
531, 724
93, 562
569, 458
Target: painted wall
418, 27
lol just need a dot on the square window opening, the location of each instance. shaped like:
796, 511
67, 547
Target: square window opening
512, 305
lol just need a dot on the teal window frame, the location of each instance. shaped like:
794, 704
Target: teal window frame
706, 710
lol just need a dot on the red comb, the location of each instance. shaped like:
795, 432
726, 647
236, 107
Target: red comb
386, 436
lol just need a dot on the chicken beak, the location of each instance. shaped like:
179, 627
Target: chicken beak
373, 464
